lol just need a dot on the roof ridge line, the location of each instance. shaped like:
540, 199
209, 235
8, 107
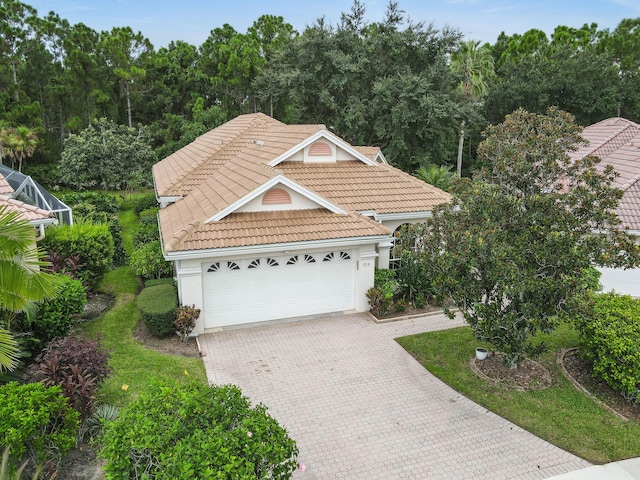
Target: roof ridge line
627, 126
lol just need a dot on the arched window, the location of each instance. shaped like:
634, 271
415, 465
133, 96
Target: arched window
320, 149
276, 196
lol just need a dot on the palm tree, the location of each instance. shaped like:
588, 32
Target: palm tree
22, 282
21, 142
440, 176
477, 68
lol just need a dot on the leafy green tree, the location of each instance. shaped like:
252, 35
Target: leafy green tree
107, 156
513, 247
386, 83
20, 143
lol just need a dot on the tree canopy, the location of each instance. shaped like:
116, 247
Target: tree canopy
514, 247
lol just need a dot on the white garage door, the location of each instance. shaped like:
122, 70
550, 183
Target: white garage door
244, 291
625, 282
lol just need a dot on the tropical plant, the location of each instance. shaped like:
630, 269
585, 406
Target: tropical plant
22, 280
440, 176
476, 66
9, 351
185, 322
19, 143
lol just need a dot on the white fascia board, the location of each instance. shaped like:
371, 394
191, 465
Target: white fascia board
326, 136
167, 200
44, 221
381, 217
273, 247
382, 157
279, 179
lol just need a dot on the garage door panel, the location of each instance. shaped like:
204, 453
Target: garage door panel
278, 287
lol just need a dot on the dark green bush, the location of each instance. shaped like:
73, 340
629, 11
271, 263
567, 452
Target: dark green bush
196, 431
103, 202
610, 338
92, 243
36, 421
147, 261
157, 308
55, 317
90, 212
144, 201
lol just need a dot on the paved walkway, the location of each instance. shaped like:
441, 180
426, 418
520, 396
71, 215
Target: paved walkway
360, 407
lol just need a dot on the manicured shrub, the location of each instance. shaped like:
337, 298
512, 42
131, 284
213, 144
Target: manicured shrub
610, 338
147, 261
36, 421
157, 309
144, 201
91, 243
147, 228
55, 317
196, 431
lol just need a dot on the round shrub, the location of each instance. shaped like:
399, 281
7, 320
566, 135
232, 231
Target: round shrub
196, 431
55, 317
36, 421
157, 306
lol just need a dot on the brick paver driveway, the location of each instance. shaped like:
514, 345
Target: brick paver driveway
360, 407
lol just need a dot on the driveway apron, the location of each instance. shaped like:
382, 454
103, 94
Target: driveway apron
360, 407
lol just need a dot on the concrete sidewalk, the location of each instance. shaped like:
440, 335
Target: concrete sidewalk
623, 470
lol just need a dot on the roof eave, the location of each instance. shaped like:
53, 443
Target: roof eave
271, 248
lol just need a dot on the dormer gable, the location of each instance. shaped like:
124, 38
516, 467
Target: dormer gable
278, 197
274, 195
323, 147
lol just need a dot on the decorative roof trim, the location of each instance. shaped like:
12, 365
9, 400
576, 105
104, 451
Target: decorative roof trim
322, 134
279, 179
272, 248
381, 217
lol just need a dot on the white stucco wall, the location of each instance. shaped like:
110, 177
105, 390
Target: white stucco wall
625, 282
189, 280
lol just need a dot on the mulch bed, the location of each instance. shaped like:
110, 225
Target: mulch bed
530, 375
171, 345
410, 310
580, 370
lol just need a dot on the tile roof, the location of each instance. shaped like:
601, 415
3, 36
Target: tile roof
617, 142
263, 228
5, 188
26, 211
225, 165
359, 187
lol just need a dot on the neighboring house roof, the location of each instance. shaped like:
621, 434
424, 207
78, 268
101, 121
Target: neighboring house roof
34, 215
214, 180
616, 141
5, 188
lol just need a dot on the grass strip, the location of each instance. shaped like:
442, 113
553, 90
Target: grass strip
559, 414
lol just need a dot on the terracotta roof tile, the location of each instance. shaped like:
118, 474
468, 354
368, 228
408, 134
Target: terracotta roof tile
262, 228
5, 188
359, 187
26, 211
617, 142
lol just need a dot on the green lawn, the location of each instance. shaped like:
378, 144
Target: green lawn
134, 365
560, 414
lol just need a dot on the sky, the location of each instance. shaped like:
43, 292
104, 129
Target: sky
162, 21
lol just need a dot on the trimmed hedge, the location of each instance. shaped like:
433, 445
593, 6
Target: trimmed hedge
103, 202
158, 306
611, 340
147, 261
91, 242
144, 201
56, 316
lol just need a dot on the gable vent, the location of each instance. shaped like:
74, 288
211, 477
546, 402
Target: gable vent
320, 149
276, 196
